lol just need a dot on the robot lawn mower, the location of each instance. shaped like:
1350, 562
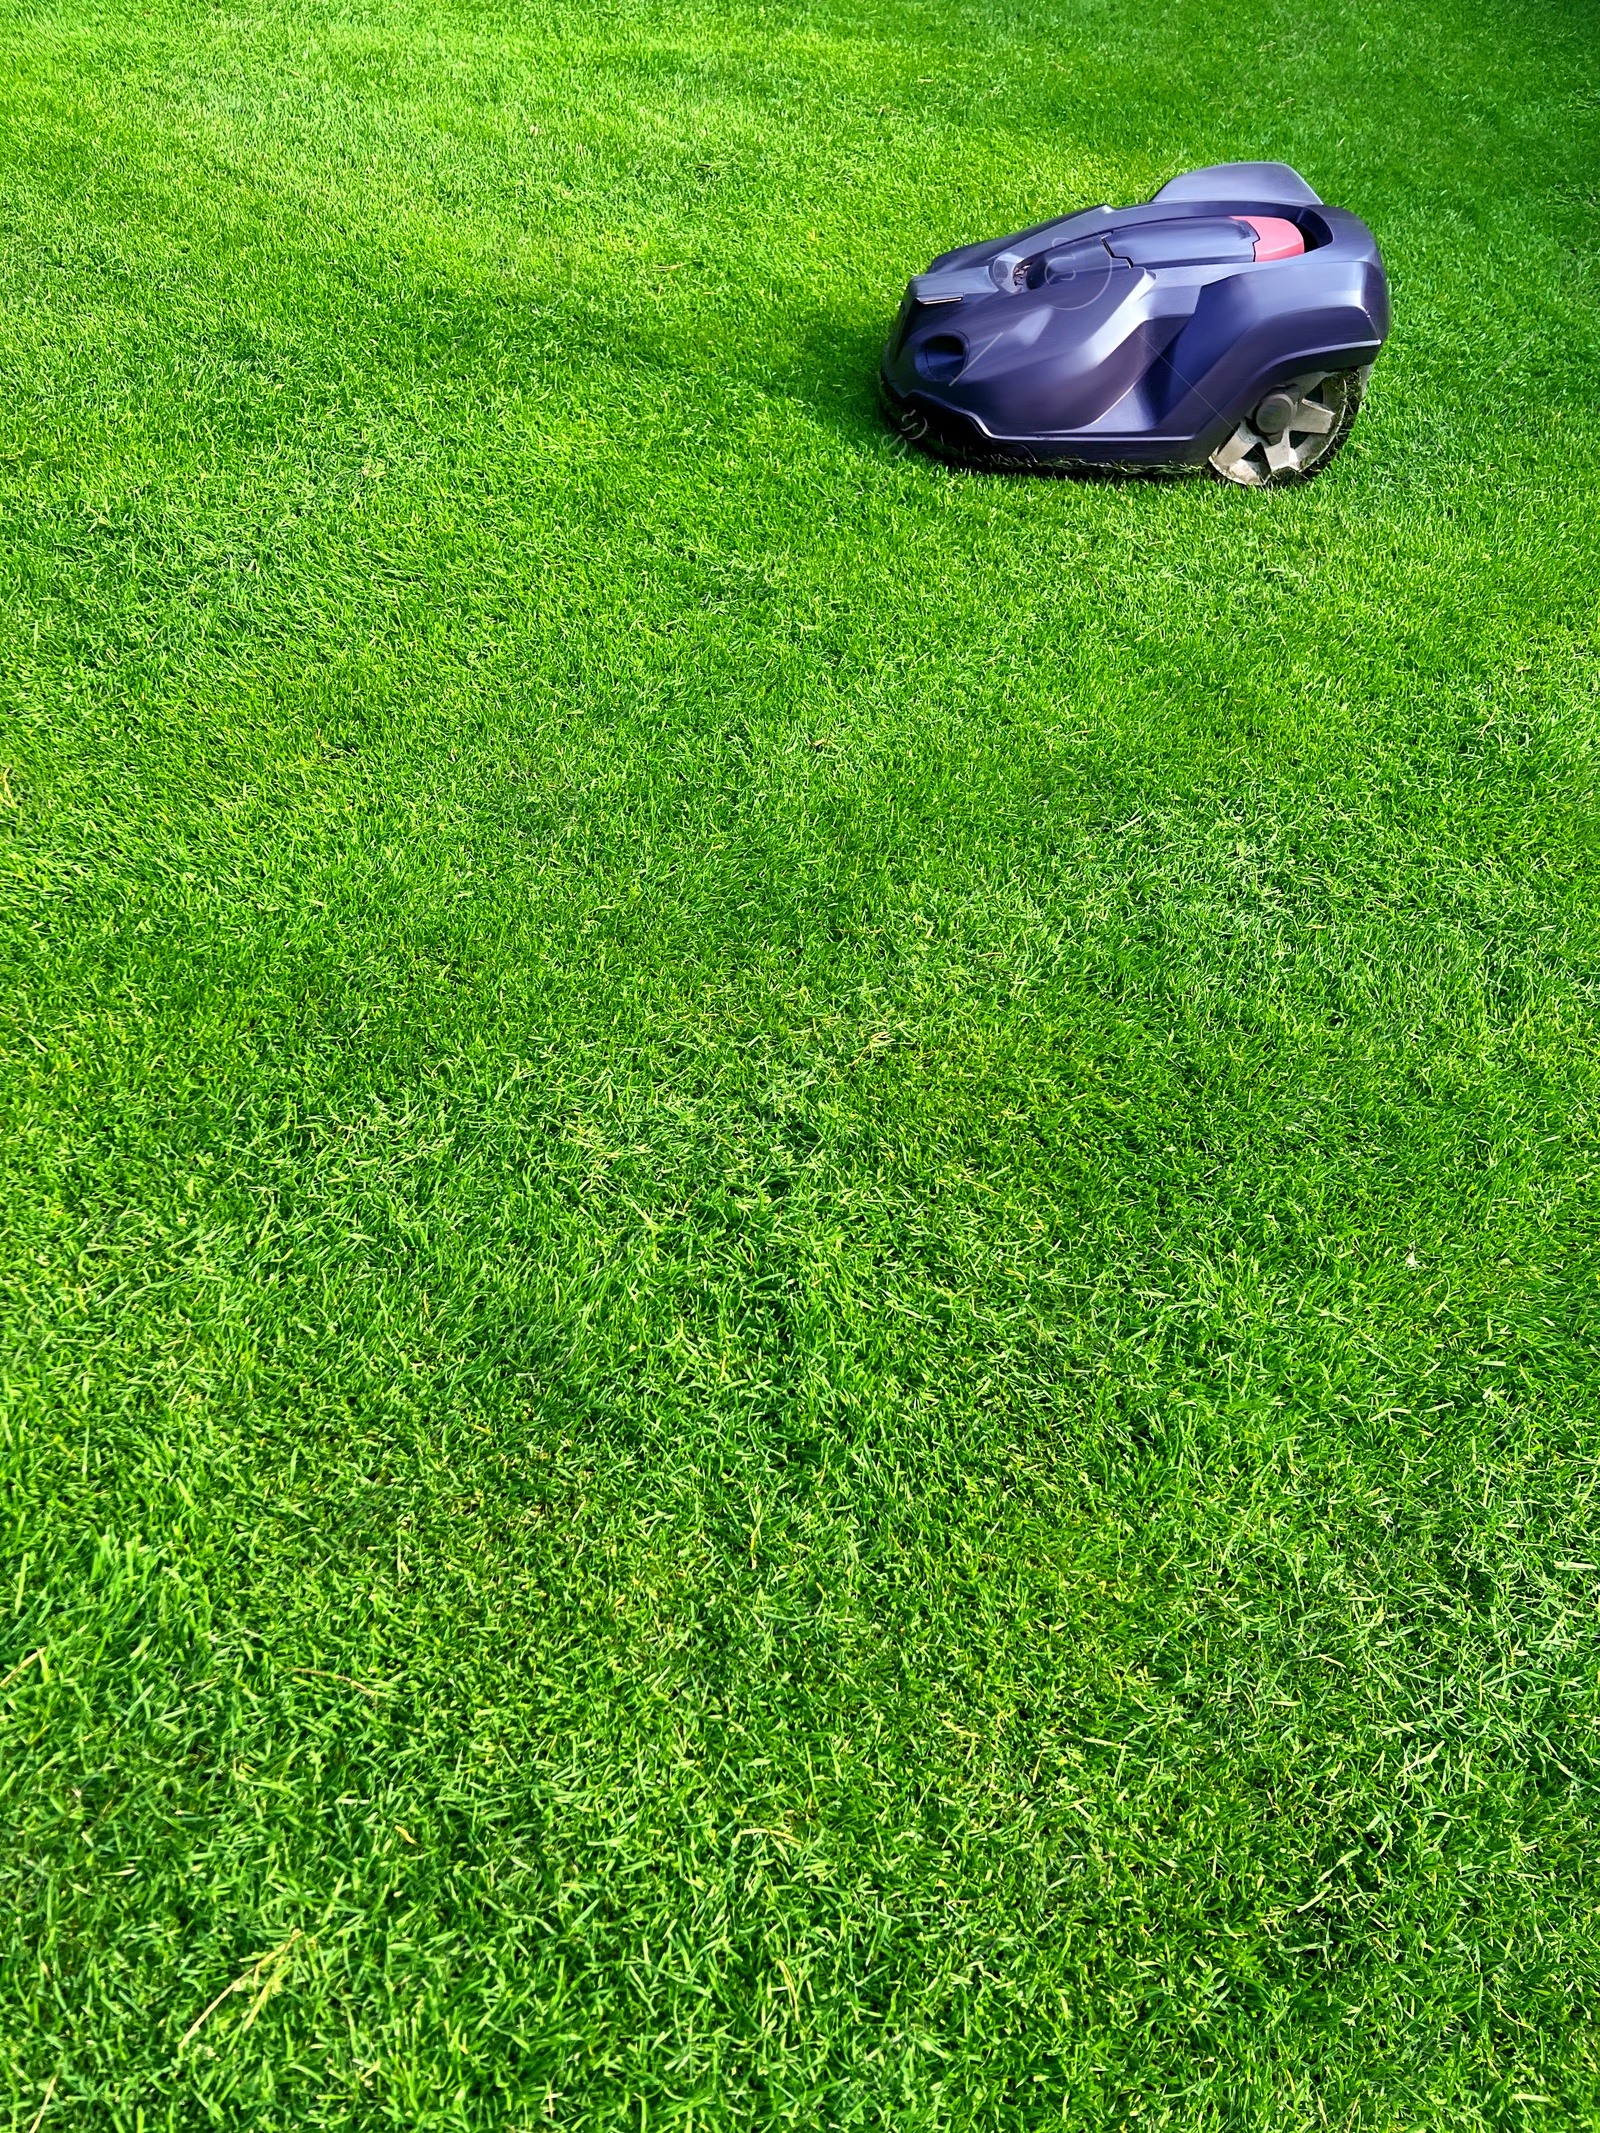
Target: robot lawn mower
1231, 322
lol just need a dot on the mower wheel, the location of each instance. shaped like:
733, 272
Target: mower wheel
1294, 432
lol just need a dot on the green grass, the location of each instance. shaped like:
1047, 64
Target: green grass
798, 1316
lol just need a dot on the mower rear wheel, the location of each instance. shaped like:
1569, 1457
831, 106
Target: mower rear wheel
1294, 432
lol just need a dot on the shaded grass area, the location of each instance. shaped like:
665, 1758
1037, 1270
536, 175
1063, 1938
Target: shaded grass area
798, 1301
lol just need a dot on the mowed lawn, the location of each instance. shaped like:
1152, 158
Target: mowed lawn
798, 1306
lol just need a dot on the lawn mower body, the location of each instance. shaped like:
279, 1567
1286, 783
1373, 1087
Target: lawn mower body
1141, 336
